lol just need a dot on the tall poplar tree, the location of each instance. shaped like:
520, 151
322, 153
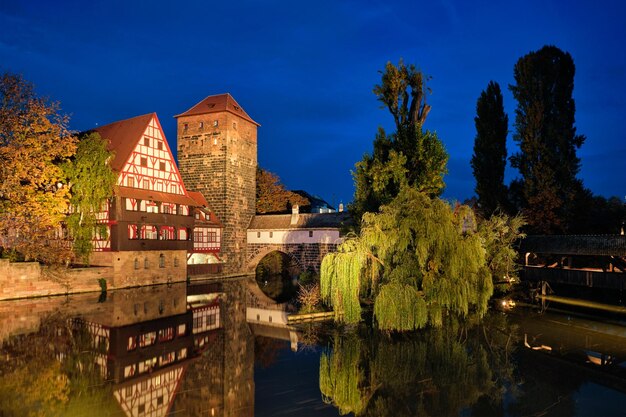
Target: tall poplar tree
544, 123
410, 154
489, 159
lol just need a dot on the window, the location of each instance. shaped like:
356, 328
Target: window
271, 234
136, 263
175, 262
184, 210
143, 161
215, 123
182, 329
146, 264
185, 126
182, 354
310, 233
132, 343
201, 125
166, 334
132, 232
146, 184
129, 391
173, 189
161, 261
258, 234
147, 339
234, 125
162, 166
141, 409
160, 145
130, 181
160, 398
182, 234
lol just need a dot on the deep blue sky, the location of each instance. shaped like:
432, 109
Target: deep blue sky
305, 71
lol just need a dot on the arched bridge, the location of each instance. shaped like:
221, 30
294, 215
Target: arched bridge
304, 237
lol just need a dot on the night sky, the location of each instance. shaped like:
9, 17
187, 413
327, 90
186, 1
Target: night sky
305, 71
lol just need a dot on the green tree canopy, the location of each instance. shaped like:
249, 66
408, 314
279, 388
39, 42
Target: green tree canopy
489, 159
410, 155
90, 181
545, 132
418, 260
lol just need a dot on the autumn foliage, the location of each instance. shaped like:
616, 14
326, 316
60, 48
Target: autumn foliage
34, 140
271, 195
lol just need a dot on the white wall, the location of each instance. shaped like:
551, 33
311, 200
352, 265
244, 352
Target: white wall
293, 236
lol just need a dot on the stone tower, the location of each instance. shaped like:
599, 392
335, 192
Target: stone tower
217, 156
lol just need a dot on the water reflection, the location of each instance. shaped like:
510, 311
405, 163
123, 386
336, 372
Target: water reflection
220, 349
142, 352
438, 372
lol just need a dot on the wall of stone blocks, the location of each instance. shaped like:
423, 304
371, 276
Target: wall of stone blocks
220, 162
308, 256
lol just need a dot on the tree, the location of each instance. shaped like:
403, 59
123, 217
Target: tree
271, 195
410, 155
544, 123
489, 159
417, 260
34, 141
90, 180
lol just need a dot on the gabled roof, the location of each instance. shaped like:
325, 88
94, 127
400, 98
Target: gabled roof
203, 203
216, 104
305, 221
123, 137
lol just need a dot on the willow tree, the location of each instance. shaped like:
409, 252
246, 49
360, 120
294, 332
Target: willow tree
417, 260
90, 181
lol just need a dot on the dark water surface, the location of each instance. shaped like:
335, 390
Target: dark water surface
222, 349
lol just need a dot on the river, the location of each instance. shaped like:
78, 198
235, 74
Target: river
216, 349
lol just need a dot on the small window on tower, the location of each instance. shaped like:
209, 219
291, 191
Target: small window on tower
201, 125
215, 123
143, 162
235, 125
185, 126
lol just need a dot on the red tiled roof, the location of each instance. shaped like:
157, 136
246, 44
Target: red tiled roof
218, 103
123, 137
141, 194
202, 202
199, 198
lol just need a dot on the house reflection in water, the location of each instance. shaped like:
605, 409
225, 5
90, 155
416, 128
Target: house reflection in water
150, 349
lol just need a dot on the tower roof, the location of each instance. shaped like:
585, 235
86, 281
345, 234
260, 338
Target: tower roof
123, 137
217, 104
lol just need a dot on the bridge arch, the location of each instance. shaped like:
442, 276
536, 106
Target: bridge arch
256, 257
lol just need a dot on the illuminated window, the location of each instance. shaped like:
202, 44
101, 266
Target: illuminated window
182, 328
132, 343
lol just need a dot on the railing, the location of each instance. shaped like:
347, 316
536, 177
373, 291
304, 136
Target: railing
204, 269
598, 279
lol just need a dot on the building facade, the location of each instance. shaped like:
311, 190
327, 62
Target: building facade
151, 217
217, 154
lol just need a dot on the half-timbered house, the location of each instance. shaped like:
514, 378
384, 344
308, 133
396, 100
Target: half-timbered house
151, 217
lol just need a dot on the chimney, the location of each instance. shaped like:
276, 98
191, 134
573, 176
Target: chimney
295, 214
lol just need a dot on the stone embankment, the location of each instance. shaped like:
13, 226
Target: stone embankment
29, 279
